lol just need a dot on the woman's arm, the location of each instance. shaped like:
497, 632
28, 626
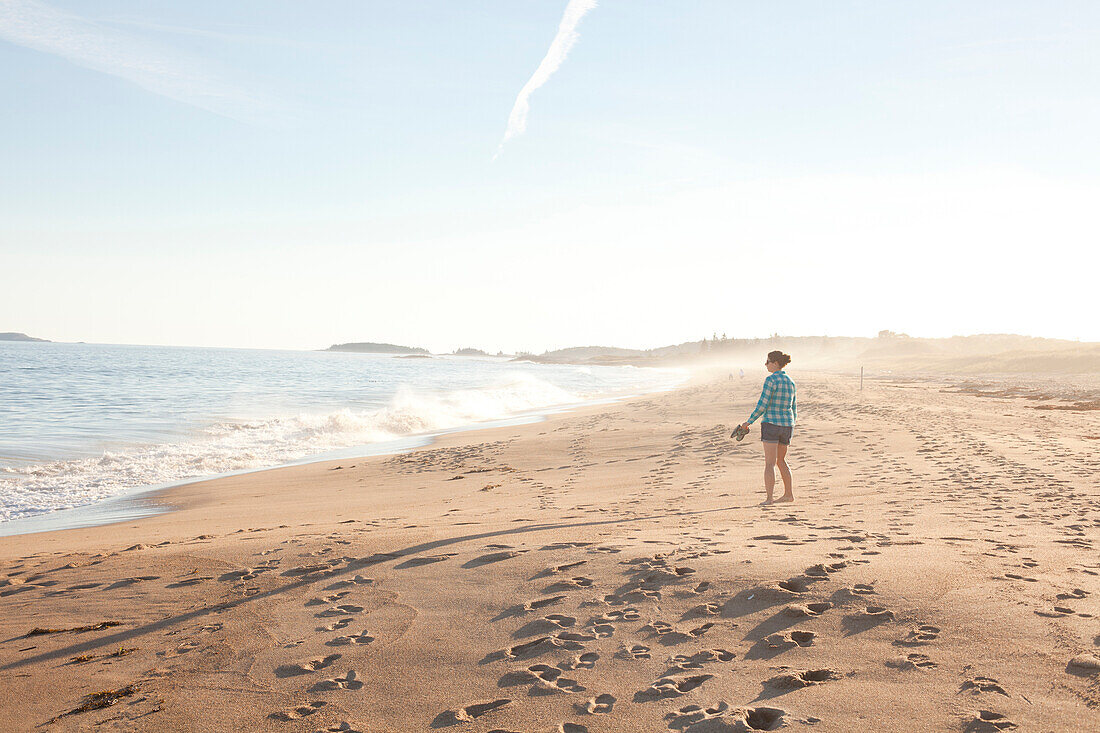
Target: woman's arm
794, 411
762, 403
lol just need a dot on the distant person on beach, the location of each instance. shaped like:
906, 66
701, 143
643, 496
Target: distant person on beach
776, 406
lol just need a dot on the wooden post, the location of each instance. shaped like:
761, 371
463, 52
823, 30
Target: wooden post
861, 378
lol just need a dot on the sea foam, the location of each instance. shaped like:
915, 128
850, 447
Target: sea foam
234, 446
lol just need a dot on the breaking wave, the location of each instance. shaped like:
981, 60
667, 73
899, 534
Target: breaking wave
236, 446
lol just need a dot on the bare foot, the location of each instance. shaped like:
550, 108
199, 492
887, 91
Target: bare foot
768, 501
785, 498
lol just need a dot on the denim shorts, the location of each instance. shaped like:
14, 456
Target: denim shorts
772, 433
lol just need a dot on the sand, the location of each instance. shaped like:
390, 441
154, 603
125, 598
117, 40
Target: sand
609, 569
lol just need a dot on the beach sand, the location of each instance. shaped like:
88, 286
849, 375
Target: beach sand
608, 569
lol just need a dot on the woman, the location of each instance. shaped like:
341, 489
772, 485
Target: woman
776, 405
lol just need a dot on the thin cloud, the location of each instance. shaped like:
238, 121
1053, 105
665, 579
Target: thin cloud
559, 48
217, 35
38, 26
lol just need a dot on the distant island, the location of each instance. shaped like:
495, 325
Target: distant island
585, 354
470, 352
13, 336
372, 348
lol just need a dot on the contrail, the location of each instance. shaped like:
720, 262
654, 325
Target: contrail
559, 49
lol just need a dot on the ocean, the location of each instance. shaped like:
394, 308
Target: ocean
82, 423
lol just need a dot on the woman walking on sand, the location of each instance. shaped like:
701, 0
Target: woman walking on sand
776, 405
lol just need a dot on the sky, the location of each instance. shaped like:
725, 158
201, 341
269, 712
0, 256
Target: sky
533, 175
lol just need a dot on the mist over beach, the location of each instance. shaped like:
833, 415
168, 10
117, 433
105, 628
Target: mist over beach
552, 367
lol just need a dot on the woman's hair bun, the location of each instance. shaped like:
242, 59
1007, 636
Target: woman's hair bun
779, 358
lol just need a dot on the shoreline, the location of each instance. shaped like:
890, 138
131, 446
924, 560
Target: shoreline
622, 545
146, 501
178, 415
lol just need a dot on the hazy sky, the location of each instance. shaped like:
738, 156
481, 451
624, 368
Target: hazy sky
515, 175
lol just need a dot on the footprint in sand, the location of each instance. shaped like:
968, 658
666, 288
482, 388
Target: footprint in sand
1085, 664
560, 569
983, 684
350, 681
361, 638
685, 663
638, 651
313, 665
467, 714
299, 712
798, 679
671, 687
550, 622
602, 631
911, 662
701, 588
357, 580
548, 679
238, 575
1075, 594
1056, 612
669, 636
342, 610
310, 569
867, 618
797, 584
631, 596
617, 615
988, 721
582, 661
572, 728
525, 608
750, 719
570, 584
851, 594
923, 634
342, 623
325, 600
572, 639
703, 609
788, 639
183, 648
807, 610
535, 647
542, 603
822, 570
691, 714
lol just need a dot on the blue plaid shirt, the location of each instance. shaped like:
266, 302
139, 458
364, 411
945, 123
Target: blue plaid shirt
776, 401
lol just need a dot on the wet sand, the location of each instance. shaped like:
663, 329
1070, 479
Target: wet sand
609, 569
